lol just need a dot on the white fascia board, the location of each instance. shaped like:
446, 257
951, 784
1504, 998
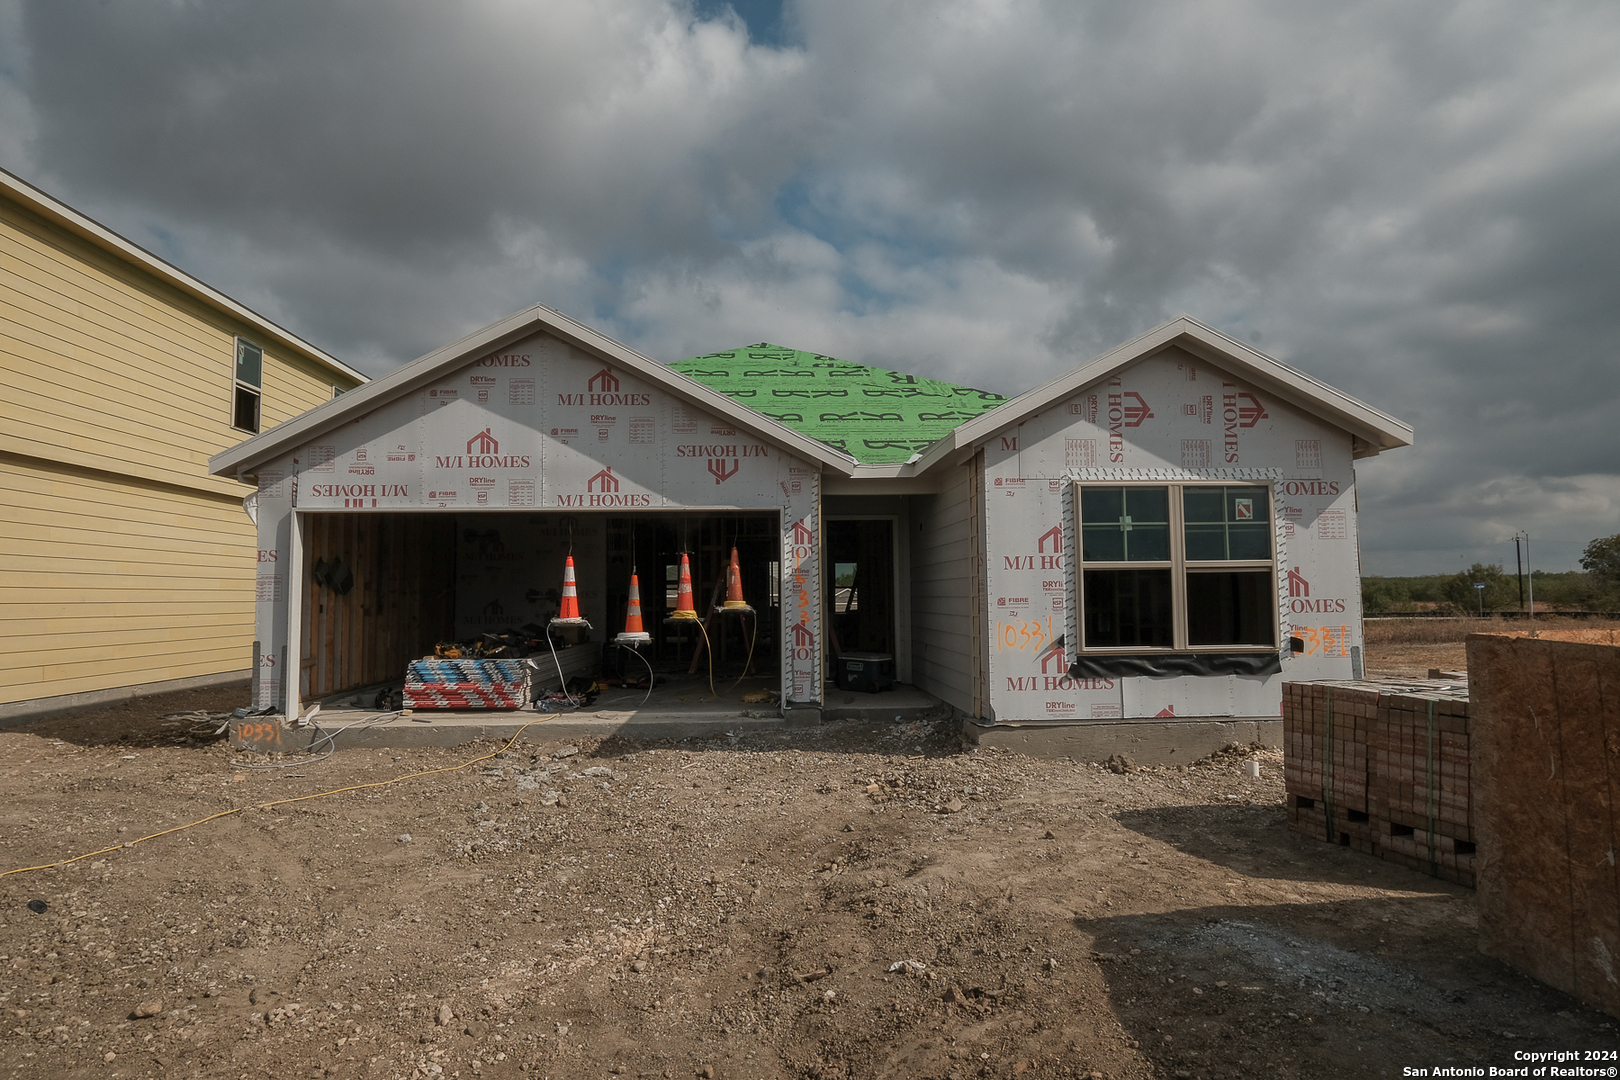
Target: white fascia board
860, 484
898, 478
1374, 426
242, 459
1378, 429
70, 219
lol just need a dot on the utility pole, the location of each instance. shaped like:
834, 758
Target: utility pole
1531, 574
1530, 570
1518, 560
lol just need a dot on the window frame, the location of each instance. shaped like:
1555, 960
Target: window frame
1179, 566
241, 386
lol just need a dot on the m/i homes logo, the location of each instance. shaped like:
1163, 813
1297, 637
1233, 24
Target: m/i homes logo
1239, 409
1299, 596
483, 452
601, 389
602, 490
1126, 409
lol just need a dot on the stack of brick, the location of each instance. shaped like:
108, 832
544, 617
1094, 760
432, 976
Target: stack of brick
1420, 785
1382, 767
1326, 731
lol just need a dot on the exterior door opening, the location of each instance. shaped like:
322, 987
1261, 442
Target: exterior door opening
860, 585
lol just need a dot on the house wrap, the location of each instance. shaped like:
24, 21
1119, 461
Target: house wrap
1166, 532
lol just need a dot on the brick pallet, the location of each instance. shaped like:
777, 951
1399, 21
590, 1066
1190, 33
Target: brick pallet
1382, 766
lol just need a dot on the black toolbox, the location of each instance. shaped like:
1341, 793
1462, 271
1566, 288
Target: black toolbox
866, 671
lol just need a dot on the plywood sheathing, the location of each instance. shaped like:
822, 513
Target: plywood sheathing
401, 603
1547, 758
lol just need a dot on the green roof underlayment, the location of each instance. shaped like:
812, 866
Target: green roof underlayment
875, 415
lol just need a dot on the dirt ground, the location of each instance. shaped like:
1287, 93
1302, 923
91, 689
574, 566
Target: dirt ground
1415, 661
844, 901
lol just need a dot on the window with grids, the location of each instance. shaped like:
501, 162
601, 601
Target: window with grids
248, 386
1176, 567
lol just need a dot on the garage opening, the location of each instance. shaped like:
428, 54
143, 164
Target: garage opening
381, 590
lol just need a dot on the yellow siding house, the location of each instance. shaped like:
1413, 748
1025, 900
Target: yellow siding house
124, 566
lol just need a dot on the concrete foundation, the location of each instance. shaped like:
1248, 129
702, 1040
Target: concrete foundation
1148, 742
443, 728
13, 713
681, 709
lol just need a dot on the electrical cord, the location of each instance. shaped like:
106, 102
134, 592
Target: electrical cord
280, 802
751, 639
708, 651
562, 681
651, 678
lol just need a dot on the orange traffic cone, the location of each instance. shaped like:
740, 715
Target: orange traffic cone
634, 632
734, 597
683, 592
569, 615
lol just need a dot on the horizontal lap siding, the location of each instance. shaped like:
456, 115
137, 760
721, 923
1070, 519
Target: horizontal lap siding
122, 561
111, 584
942, 570
104, 367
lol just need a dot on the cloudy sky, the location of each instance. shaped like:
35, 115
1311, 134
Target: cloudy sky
1416, 202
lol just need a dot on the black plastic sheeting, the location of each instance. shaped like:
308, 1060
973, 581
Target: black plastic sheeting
1163, 665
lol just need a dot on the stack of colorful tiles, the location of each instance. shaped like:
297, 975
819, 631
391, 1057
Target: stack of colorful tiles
466, 684
1382, 766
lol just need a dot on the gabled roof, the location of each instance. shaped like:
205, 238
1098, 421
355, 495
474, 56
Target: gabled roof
1374, 431
100, 236
244, 458
875, 415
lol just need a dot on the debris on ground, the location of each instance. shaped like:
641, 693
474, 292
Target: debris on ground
851, 900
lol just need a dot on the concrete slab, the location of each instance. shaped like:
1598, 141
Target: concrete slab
1148, 742
681, 708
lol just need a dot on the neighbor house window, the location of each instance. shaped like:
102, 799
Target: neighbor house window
249, 385
1177, 567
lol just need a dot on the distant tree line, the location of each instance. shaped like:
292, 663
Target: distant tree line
1594, 587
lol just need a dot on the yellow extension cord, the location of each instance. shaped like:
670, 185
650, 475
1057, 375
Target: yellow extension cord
708, 650
277, 802
751, 639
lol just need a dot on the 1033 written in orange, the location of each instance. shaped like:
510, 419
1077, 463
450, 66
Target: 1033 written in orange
1323, 640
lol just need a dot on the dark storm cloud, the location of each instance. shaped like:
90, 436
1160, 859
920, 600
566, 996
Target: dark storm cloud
448, 148
1411, 202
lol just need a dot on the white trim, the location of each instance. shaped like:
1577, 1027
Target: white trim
1175, 481
881, 485
238, 383
294, 645
241, 460
1378, 430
